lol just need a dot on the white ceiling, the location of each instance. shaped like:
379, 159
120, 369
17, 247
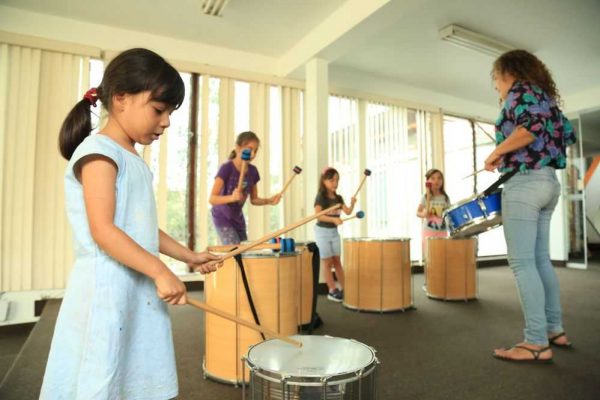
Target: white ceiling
396, 42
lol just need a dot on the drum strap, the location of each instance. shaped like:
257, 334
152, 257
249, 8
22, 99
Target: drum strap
240, 264
316, 264
499, 182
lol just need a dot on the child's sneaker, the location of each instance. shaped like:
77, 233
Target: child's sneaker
335, 295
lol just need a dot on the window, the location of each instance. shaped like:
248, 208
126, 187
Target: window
467, 143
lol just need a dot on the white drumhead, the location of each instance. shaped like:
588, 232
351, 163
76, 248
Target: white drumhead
319, 356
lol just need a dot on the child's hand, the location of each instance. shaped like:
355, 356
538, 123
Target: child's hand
236, 195
275, 199
205, 262
338, 221
169, 288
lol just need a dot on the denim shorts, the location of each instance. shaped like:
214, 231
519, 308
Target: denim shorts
328, 240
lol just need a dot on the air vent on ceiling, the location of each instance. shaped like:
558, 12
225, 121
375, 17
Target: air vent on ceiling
214, 7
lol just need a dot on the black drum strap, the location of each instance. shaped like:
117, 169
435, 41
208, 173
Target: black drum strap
240, 264
499, 182
316, 264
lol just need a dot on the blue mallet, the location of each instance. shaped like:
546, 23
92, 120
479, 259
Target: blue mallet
246, 154
359, 215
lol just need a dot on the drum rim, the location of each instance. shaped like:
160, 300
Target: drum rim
316, 380
311, 378
451, 238
376, 239
475, 234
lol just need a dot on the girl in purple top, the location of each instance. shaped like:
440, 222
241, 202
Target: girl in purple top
227, 200
531, 137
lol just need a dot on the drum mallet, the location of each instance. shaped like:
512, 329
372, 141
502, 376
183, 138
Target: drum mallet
359, 215
280, 232
233, 318
427, 195
367, 172
297, 171
285, 245
246, 154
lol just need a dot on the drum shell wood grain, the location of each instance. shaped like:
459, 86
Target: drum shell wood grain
451, 268
273, 282
305, 284
377, 274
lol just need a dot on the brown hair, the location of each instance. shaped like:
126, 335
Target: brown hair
242, 139
524, 66
430, 173
132, 71
328, 173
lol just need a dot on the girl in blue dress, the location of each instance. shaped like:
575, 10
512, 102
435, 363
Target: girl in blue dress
113, 338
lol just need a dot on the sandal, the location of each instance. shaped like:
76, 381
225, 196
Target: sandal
535, 353
552, 341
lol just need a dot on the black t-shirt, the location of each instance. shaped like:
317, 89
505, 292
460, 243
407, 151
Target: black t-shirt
325, 202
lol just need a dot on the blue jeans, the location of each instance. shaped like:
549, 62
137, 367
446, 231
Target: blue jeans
528, 200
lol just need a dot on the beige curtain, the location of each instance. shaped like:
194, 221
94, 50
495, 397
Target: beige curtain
37, 89
291, 101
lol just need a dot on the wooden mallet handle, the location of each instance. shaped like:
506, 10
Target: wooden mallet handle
359, 215
222, 314
427, 195
367, 172
246, 154
280, 232
297, 170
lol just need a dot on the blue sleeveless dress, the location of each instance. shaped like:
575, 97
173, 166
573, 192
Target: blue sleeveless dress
113, 337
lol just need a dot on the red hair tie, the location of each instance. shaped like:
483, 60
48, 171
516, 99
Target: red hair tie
91, 96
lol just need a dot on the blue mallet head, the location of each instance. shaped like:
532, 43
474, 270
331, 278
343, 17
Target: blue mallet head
360, 214
246, 154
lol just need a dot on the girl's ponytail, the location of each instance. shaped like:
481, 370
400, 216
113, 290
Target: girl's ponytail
77, 125
75, 128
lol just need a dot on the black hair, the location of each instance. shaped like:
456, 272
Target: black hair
430, 173
327, 174
131, 72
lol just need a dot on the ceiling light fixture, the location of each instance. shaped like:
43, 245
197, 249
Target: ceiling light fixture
214, 7
468, 39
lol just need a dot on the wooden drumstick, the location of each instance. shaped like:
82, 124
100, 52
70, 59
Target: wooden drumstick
233, 318
474, 173
297, 171
427, 196
367, 172
280, 232
359, 215
246, 154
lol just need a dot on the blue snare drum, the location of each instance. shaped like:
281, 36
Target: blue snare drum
474, 215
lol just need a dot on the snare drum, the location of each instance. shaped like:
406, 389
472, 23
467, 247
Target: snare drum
474, 215
451, 268
377, 274
274, 288
323, 368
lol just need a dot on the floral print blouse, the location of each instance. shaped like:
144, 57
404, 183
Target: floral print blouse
528, 106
